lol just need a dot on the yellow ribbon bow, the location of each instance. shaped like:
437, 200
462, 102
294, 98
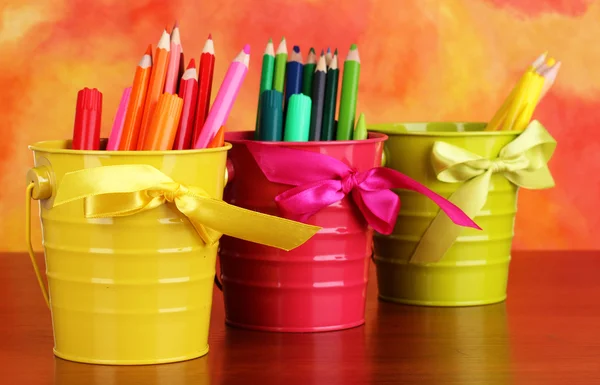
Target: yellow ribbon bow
115, 191
523, 162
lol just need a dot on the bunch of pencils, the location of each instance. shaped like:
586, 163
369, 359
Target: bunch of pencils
167, 107
298, 100
517, 110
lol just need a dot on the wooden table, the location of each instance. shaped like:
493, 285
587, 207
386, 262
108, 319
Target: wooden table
548, 332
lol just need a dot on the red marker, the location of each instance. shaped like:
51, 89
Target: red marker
88, 115
205, 79
188, 90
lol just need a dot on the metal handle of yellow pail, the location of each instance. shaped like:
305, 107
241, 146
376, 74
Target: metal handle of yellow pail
38, 187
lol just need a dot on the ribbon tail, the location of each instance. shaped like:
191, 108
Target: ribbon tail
215, 216
441, 233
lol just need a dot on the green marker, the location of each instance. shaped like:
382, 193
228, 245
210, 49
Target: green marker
280, 63
349, 95
309, 70
360, 132
271, 116
266, 78
297, 123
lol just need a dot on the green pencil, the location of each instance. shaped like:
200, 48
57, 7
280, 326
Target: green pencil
266, 78
360, 132
280, 63
349, 95
309, 70
331, 87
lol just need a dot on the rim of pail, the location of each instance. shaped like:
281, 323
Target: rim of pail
60, 147
395, 129
374, 137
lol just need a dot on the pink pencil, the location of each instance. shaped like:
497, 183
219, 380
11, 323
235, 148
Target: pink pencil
117, 128
174, 59
219, 112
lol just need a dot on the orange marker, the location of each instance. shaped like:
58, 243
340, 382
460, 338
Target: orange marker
163, 127
218, 140
135, 108
157, 84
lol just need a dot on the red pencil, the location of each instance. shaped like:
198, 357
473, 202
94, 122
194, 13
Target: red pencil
88, 115
188, 90
205, 79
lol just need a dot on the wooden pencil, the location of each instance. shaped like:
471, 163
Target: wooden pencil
309, 71
330, 103
328, 57
280, 62
293, 84
349, 95
137, 99
157, 83
172, 76
318, 95
266, 79
188, 91
205, 81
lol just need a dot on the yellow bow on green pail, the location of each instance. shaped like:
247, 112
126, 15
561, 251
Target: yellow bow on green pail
523, 162
114, 191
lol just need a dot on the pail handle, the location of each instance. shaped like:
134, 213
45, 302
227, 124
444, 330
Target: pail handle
38, 275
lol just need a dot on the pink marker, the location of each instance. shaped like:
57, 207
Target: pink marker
219, 112
172, 77
117, 128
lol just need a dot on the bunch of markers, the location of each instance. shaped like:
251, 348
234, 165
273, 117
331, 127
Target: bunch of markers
168, 106
298, 101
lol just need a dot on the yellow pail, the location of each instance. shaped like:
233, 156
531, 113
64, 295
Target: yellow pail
474, 271
129, 290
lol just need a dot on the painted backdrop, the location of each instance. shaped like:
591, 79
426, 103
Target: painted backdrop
421, 60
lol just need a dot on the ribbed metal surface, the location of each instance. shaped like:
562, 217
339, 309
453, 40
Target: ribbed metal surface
319, 286
135, 289
474, 271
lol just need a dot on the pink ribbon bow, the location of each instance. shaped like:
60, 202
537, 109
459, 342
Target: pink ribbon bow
321, 180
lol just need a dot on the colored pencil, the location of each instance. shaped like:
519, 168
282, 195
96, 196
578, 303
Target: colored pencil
172, 77
117, 129
297, 121
330, 103
163, 127
318, 96
88, 120
218, 140
266, 77
271, 116
328, 57
360, 132
280, 63
188, 91
219, 112
294, 67
309, 70
157, 83
205, 81
349, 95
135, 108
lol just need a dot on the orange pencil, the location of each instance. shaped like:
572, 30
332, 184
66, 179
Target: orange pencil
135, 109
218, 140
157, 83
163, 127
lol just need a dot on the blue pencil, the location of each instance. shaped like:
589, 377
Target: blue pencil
293, 83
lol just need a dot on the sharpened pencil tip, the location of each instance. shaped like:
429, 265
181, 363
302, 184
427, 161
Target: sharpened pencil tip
283, 39
296, 49
270, 40
192, 64
353, 46
312, 50
322, 52
176, 25
328, 50
335, 53
210, 36
247, 49
148, 50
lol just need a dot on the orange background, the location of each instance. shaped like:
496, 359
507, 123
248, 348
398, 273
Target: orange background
421, 60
